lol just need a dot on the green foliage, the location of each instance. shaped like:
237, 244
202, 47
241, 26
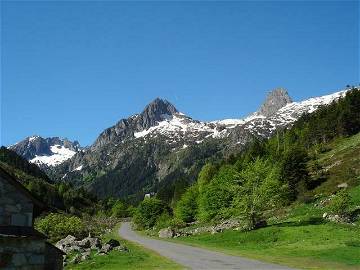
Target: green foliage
340, 203
148, 211
180, 187
57, 226
62, 196
206, 174
119, 210
163, 221
294, 170
217, 197
14, 160
259, 190
187, 206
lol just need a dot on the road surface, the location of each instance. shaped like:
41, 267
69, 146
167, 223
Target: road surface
193, 257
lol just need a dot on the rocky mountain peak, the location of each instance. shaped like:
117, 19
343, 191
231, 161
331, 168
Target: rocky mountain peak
275, 100
46, 150
156, 111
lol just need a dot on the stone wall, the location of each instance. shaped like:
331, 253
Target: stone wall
15, 208
18, 253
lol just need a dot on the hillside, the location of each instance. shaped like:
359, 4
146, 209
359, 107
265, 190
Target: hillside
292, 199
56, 196
298, 235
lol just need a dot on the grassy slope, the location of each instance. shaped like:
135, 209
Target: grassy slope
136, 258
302, 239
342, 162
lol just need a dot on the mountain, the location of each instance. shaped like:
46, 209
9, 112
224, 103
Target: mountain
46, 152
153, 150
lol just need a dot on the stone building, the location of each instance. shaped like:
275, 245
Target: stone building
21, 246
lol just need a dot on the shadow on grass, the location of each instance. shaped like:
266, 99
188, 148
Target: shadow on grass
306, 222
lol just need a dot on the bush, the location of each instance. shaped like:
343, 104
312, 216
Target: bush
148, 211
186, 208
163, 221
260, 190
217, 197
56, 226
340, 203
119, 210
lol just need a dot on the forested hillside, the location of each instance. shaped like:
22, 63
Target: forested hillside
61, 196
274, 173
277, 171
292, 199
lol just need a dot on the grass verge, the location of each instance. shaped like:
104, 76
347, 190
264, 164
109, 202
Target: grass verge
300, 244
137, 258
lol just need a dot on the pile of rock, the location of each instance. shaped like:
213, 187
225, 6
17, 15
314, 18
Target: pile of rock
337, 218
225, 225
84, 247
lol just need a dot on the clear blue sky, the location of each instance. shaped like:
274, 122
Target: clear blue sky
72, 69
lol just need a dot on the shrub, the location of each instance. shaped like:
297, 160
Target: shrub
340, 203
148, 211
119, 210
186, 208
56, 226
163, 221
217, 197
260, 190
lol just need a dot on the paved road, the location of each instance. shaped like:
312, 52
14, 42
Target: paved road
193, 257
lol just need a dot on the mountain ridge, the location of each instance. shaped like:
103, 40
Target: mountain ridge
144, 151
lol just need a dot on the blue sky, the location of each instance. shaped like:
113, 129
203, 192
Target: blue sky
72, 69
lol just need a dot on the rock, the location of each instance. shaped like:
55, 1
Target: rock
106, 249
113, 243
85, 243
67, 244
275, 100
70, 244
260, 224
76, 259
166, 233
94, 242
343, 185
121, 248
85, 256
338, 218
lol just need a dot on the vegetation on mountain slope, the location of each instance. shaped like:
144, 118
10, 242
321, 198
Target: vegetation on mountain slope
287, 182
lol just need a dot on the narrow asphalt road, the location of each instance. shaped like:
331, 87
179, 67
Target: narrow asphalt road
193, 257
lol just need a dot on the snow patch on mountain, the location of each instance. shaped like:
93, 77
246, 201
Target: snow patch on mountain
178, 125
60, 154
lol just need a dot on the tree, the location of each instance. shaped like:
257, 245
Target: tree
148, 212
187, 206
216, 198
119, 210
294, 170
206, 174
57, 226
259, 190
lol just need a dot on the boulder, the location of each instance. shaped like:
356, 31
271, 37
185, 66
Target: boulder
121, 248
113, 243
86, 255
106, 249
166, 233
343, 185
94, 242
76, 259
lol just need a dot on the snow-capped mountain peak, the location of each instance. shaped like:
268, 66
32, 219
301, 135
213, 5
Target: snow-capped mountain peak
46, 151
278, 111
